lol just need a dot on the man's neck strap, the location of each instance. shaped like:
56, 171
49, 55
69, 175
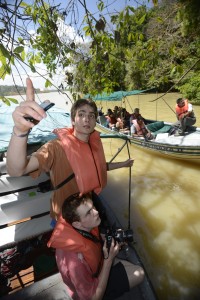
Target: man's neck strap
88, 235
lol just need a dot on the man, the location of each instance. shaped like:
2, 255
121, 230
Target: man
185, 116
88, 271
76, 156
139, 129
135, 115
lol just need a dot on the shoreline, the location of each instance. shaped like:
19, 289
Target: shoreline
63, 101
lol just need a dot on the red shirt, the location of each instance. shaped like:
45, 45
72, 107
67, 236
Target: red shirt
76, 274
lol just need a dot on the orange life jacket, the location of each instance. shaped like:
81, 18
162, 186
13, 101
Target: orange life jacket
181, 110
67, 238
141, 130
86, 159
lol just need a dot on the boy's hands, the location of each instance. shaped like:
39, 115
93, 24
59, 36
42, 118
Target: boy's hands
114, 250
27, 108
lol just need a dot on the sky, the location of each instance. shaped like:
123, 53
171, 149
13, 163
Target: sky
38, 81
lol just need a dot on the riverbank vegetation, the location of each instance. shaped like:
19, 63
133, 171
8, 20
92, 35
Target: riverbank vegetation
10, 90
140, 47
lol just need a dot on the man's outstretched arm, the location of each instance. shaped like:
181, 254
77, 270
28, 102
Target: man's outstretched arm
17, 161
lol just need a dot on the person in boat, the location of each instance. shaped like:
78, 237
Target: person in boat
88, 269
185, 116
135, 115
75, 160
125, 115
116, 111
111, 121
139, 129
100, 112
122, 124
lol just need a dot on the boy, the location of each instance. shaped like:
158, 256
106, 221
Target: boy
86, 265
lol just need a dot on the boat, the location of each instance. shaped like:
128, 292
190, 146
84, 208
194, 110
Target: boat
24, 221
186, 148
25, 227
40, 134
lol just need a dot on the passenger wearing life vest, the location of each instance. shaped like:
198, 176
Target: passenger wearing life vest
75, 156
139, 129
82, 257
135, 115
185, 116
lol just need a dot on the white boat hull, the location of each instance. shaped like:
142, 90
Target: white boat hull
185, 148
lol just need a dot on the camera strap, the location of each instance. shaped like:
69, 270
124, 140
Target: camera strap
88, 235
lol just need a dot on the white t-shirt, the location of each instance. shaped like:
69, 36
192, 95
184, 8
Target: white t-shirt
190, 107
133, 129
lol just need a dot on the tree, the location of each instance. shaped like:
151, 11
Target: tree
136, 48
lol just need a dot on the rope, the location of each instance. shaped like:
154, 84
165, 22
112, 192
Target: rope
177, 81
129, 197
120, 149
168, 105
129, 191
129, 103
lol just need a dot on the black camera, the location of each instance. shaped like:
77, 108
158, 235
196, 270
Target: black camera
119, 235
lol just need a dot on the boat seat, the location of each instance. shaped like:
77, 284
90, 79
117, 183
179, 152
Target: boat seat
18, 206
14, 234
158, 127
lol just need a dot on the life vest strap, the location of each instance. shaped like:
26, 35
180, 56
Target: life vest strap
43, 187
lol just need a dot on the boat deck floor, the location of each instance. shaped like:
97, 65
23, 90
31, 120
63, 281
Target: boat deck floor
53, 288
189, 139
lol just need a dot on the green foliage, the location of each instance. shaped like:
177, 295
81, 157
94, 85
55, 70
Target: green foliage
7, 100
46, 42
136, 48
191, 88
189, 15
5, 57
100, 5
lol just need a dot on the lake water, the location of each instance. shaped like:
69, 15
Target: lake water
165, 203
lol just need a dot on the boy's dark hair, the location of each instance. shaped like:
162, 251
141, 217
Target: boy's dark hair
179, 100
81, 102
70, 206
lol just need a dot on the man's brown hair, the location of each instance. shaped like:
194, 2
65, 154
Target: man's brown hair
80, 103
70, 206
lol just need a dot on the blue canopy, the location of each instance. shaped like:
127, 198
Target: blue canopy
116, 96
42, 132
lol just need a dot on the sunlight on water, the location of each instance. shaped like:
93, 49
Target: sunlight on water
165, 217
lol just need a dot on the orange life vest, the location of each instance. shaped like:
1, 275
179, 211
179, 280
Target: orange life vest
86, 159
67, 238
181, 110
141, 130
